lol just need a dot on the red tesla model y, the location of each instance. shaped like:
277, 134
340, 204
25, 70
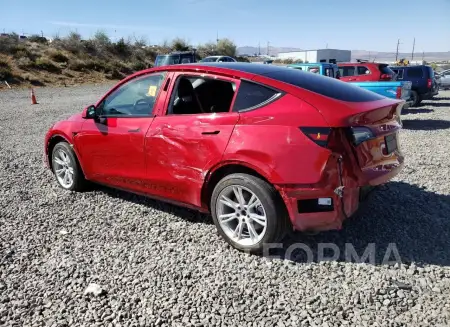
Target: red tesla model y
264, 149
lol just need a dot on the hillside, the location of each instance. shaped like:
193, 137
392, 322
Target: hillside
72, 60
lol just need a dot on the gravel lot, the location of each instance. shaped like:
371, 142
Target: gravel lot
160, 265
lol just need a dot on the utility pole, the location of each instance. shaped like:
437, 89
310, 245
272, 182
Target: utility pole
412, 53
396, 54
268, 47
259, 48
42, 33
217, 38
423, 56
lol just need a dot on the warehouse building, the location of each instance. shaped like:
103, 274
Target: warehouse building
320, 55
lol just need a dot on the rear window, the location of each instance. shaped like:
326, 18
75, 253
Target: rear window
384, 69
325, 86
167, 60
415, 72
430, 72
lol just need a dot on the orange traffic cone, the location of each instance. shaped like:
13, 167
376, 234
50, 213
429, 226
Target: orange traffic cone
33, 97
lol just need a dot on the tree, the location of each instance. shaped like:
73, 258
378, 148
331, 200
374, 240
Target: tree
101, 39
180, 44
226, 47
207, 49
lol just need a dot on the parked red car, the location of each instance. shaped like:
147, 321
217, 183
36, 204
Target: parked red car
265, 149
365, 72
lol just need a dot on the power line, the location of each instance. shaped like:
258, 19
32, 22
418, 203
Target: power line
396, 54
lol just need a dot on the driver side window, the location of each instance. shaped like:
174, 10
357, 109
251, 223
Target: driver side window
137, 97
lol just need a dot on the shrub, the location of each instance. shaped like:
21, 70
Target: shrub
5, 70
71, 43
37, 39
8, 43
58, 56
138, 65
45, 64
86, 65
22, 54
226, 47
242, 59
284, 61
179, 44
115, 74
24, 62
121, 48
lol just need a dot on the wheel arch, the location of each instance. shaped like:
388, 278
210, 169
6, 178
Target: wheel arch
217, 173
52, 142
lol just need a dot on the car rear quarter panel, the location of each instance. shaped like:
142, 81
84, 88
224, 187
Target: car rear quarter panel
270, 138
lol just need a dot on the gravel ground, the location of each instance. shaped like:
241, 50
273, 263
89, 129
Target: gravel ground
153, 264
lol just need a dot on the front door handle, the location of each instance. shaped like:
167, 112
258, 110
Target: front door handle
211, 133
134, 130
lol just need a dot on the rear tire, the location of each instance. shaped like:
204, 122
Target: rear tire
415, 99
67, 169
248, 213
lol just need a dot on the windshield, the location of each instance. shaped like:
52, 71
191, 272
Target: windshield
167, 60
209, 59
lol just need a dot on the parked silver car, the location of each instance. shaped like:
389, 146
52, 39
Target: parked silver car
218, 59
444, 79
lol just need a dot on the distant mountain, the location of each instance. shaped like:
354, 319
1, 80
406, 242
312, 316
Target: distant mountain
390, 56
356, 54
273, 51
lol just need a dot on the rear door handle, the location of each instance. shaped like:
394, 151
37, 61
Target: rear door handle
134, 130
211, 133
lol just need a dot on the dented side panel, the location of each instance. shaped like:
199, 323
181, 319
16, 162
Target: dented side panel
181, 149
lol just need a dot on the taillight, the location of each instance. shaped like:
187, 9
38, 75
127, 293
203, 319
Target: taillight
318, 135
386, 77
361, 134
398, 94
429, 83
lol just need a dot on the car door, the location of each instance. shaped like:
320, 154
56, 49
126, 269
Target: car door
112, 147
363, 74
347, 73
186, 142
445, 79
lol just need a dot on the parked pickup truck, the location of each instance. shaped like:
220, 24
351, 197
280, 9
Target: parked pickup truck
392, 89
389, 89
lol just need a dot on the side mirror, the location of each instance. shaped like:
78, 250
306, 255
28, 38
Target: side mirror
89, 112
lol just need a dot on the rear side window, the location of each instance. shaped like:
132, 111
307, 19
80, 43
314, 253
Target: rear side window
329, 87
347, 71
363, 70
329, 72
415, 72
251, 95
399, 73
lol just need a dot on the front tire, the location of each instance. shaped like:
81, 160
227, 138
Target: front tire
248, 212
66, 168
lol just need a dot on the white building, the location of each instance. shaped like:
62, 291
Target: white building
320, 55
